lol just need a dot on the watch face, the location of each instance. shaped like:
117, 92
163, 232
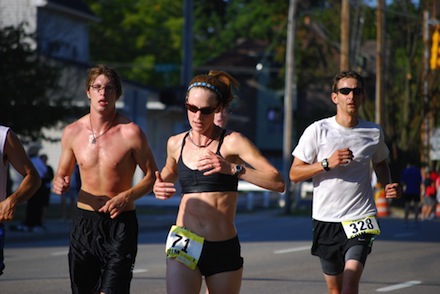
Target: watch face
324, 164
238, 169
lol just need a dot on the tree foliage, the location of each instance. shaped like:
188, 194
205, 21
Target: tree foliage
26, 79
139, 35
141, 38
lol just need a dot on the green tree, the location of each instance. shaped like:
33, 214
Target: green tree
26, 79
139, 37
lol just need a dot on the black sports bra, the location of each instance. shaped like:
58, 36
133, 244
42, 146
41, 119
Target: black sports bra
193, 181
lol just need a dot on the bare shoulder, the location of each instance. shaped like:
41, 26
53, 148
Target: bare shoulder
176, 140
75, 127
130, 131
175, 144
129, 127
234, 137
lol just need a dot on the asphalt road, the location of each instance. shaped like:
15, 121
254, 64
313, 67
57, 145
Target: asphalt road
276, 249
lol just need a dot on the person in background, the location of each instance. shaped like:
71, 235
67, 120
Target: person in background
33, 221
221, 118
12, 152
108, 147
411, 180
429, 194
68, 199
337, 153
46, 187
208, 161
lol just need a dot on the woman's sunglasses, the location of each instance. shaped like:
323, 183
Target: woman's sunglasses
203, 110
346, 91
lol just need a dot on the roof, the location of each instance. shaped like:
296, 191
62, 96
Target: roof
75, 7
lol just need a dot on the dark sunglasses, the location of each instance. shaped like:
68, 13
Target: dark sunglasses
203, 110
346, 91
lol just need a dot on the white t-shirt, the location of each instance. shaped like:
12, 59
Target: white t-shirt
343, 193
3, 166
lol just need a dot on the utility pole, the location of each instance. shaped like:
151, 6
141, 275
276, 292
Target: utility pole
345, 35
379, 61
425, 125
289, 98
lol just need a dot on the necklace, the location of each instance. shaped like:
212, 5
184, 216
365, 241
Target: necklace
205, 145
94, 137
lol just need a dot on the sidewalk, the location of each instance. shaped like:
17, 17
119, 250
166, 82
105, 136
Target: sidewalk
152, 214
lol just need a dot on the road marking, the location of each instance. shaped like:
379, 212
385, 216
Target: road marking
399, 286
141, 270
296, 249
58, 253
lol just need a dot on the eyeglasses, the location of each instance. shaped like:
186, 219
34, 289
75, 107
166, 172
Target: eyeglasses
99, 88
203, 110
346, 91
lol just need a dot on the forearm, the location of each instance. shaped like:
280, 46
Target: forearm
302, 172
27, 188
141, 189
383, 173
270, 180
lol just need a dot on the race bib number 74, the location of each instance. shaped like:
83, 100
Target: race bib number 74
184, 246
366, 225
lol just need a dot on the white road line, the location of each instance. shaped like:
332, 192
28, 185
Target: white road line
138, 271
399, 286
296, 249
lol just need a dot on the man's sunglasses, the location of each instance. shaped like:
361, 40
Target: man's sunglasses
203, 110
346, 91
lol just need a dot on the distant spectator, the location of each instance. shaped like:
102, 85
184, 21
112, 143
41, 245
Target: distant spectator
46, 187
429, 195
33, 221
411, 179
68, 199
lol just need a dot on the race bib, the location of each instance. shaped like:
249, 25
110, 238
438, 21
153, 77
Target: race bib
366, 225
184, 246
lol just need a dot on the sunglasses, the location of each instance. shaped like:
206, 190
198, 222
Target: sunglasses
346, 91
203, 110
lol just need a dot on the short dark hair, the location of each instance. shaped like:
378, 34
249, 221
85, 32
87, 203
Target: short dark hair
348, 74
109, 72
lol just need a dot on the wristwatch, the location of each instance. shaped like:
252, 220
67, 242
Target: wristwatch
237, 170
324, 164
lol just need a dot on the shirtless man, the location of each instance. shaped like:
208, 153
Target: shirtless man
107, 147
12, 152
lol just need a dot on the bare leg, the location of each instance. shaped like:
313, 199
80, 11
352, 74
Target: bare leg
334, 283
226, 282
181, 279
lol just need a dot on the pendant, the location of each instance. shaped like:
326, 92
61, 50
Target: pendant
92, 139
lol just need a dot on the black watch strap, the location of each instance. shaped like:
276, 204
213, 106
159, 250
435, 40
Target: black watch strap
324, 164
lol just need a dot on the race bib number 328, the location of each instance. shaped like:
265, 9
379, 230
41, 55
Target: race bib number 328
358, 227
184, 246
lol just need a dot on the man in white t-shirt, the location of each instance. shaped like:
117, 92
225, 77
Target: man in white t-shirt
337, 153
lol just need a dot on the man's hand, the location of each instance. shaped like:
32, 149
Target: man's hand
7, 210
61, 184
393, 191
